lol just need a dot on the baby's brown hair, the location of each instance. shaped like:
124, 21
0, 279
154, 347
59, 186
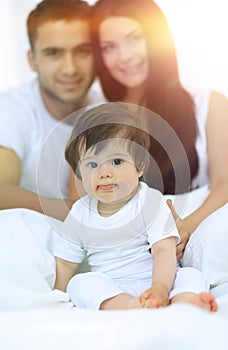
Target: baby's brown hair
112, 120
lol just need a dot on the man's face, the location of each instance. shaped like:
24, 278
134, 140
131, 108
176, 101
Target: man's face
63, 59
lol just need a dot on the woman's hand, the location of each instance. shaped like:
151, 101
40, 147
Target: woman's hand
182, 229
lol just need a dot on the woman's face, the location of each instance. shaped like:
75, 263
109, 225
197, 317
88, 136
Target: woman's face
124, 50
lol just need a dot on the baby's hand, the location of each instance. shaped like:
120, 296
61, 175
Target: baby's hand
154, 297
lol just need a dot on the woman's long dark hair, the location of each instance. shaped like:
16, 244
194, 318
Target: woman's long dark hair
164, 93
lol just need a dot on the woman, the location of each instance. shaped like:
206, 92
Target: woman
136, 63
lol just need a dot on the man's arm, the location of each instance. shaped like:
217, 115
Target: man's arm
75, 187
13, 196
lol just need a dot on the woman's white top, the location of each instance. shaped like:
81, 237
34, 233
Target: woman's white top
201, 99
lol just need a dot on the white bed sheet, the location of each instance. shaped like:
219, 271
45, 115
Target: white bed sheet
178, 327
33, 316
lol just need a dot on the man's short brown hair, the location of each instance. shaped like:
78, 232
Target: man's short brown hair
55, 10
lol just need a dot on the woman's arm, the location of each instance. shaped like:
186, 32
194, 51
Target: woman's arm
217, 146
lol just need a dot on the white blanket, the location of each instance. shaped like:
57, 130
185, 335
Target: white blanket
33, 316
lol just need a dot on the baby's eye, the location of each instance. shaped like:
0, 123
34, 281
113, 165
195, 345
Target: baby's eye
92, 165
117, 161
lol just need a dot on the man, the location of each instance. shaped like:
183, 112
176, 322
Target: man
33, 171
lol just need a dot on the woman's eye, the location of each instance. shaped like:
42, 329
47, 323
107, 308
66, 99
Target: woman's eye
92, 165
107, 48
117, 161
136, 38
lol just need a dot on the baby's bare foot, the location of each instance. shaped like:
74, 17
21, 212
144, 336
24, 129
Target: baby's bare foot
205, 300
134, 303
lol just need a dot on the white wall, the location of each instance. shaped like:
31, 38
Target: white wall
200, 29
13, 64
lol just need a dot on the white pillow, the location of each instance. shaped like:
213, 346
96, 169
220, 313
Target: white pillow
28, 233
207, 249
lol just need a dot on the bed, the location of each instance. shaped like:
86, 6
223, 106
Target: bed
34, 316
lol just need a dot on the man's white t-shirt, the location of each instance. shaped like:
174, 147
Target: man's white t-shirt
38, 139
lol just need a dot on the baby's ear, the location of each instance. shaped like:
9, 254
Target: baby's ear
140, 173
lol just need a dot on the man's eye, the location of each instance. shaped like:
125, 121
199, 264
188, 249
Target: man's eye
52, 52
92, 165
117, 161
